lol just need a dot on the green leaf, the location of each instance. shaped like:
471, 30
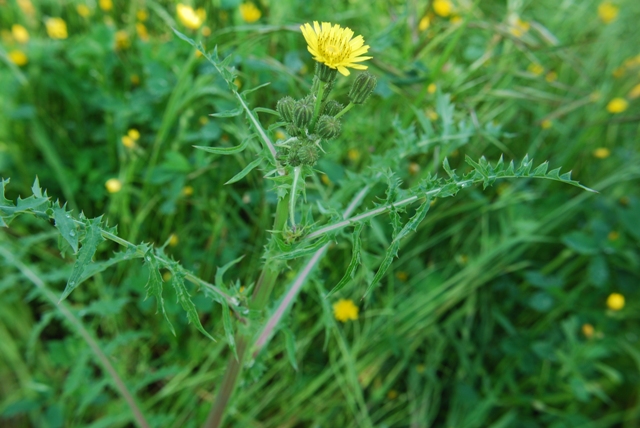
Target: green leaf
93, 237
248, 91
228, 327
355, 260
66, 225
6, 207
221, 270
598, 270
303, 249
581, 243
247, 169
154, 285
228, 113
183, 37
129, 254
290, 346
226, 150
177, 282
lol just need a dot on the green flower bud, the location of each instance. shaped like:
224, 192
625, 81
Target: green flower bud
362, 88
285, 108
325, 73
294, 157
303, 112
293, 130
328, 127
332, 108
309, 154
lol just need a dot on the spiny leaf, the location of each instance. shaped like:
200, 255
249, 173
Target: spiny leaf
228, 327
93, 268
248, 91
226, 150
228, 113
355, 260
247, 169
93, 237
303, 249
154, 285
221, 271
66, 225
177, 282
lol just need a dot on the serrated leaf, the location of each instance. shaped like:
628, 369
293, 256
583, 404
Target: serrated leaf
228, 327
66, 226
93, 237
355, 260
6, 206
290, 346
154, 285
221, 271
226, 150
248, 91
228, 113
183, 37
129, 254
303, 249
247, 169
177, 282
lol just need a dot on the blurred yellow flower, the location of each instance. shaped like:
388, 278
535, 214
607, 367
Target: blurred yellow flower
128, 142
83, 10
105, 5
613, 235
113, 185
173, 240
402, 276
344, 310
142, 15
617, 105
414, 168
206, 31
18, 57
122, 40
134, 134
601, 153
551, 77
608, 12
615, 301
325, 179
187, 190
456, 19
442, 7
142, 31
431, 114
535, 68
189, 17
166, 276
135, 79
392, 394
635, 92
20, 34
425, 22
27, 7
280, 135
588, 330
618, 72
353, 154
518, 27
546, 124
249, 12
56, 28
432, 88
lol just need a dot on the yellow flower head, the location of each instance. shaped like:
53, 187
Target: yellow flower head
187, 191
587, 330
432, 88
249, 12
141, 29
442, 7
56, 28
617, 105
142, 15
173, 240
128, 142
425, 22
535, 68
334, 46
122, 40
189, 17
27, 7
133, 133
608, 12
546, 124
635, 92
601, 153
615, 301
517, 26
344, 310
20, 33
105, 5
113, 185
83, 10
551, 77
19, 58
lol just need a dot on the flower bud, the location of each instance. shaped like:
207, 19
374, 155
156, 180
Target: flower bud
362, 88
285, 108
309, 154
303, 112
328, 127
332, 108
293, 130
293, 157
325, 73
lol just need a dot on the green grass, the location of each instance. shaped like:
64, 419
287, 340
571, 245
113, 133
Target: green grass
477, 323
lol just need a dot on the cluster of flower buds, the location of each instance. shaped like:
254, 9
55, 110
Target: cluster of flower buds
311, 120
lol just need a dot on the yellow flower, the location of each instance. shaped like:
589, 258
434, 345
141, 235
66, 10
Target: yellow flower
613, 235
353, 155
135, 79
20, 34
173, 240
325, 179
142, 15
18, 57
344, 310
518, 27
432, 88
128, 142
334, 46
56, 28
635, 92
535, 68
546, 124
206, 31
615, 301
142, 31
608, 12
166, 276
617, 105
414, 168
402, 276
122, 39
27, 7
601, 153
105, 5
455, 19
587, 330
83, 10
431, 114
442, 7
425, 22
392, 394
133, 134
190, 18
249, 12
618, 72
113, 185
280, 135
187, 191
551, 76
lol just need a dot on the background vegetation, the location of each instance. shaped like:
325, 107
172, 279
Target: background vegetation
494, 315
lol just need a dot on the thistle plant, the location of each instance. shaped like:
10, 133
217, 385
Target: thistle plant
301, 232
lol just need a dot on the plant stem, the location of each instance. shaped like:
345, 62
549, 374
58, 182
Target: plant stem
292, 199
316, 110
344, 110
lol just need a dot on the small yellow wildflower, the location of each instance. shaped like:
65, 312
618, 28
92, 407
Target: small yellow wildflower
601, 153
635, 92
335, 46
249, 12
128, 142
173, 240
20, 34
588, 330
56, 28
431, 114
392, 394
535, 68
113, 185
203, 120
27, 7
280, 135
551, 77
189, 17
618, 72
187, 190
142, 15
608, 12
105, 5
135, 79
442, 7
166, 276
432, 88
615, 301
83, 10
424, 23
353, 155
18, 57
206, 31
141, 29
402, 276
414, 168
134, 133
518, 27
617, 105
546, 124
614, 235
456, 19
344, 310
122, 40
325, 179
238, 83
